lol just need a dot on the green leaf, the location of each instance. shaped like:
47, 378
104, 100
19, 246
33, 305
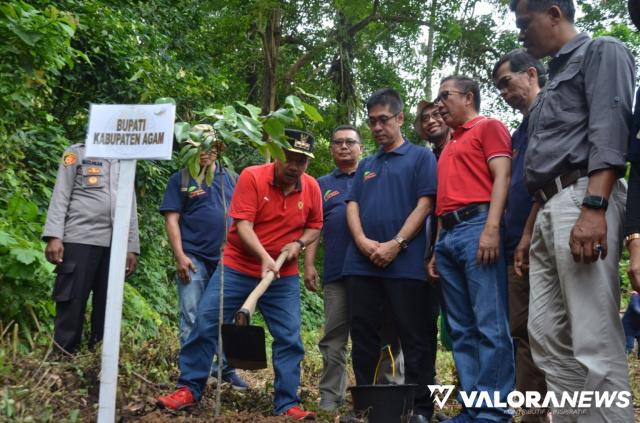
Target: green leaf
6, 239
254, 111
194, 165
228, 136
306, 94
312, 113
274, 127
228, 163
230, 115
26, 256
276, 151
295, 103
209, 175
181, 130
29, 37
137, 75
166, 100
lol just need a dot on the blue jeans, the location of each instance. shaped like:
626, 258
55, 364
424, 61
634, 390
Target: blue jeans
280, 306
477, 313
189, 295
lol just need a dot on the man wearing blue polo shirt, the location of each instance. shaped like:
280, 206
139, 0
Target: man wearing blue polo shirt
346, 149
392, 194
194, 219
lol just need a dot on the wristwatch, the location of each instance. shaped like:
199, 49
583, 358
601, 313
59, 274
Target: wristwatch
400, 240
303, 246
630, 238
595, 202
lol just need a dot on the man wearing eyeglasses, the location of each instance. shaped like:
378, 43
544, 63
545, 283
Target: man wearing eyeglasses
346, 149
519, 77
392, 194
430, 127
473, 179
578, 135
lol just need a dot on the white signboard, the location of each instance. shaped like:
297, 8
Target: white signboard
131, 131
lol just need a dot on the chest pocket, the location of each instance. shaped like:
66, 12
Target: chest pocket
93, 176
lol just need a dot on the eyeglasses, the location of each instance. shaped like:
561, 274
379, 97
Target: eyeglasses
382, 120
426, 116
444, 95
346, 141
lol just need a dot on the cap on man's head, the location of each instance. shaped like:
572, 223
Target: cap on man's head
301, 142
634, 12
417, 123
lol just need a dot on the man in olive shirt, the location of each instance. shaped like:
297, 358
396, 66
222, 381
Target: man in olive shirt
578, 132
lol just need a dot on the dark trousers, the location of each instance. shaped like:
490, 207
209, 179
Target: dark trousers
414, 308
85, 269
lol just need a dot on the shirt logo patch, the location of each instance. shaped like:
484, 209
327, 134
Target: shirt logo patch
92, 180
69, 159
514, 153
369, 175
329, 194
192, 188
300, 205
93, 170
197, 193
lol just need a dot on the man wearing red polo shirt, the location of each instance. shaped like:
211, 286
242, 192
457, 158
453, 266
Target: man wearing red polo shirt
275, 207
474, 171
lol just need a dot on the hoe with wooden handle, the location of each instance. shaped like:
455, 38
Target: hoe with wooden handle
243, 344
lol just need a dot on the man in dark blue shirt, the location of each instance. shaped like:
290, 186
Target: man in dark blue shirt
195, 222
519, 78
392, 194
346, 149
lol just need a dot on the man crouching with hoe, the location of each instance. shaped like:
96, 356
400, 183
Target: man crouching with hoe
275, 207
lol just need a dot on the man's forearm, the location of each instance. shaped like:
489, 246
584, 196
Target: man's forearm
501, 171
310, 236
353, 220
250, 240
173, 233
531, 219
415, 220
601, 182
310, 253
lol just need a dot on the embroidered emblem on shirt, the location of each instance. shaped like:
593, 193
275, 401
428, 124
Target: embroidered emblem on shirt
197, 193
92, 180
93, 170
329, 194
69, 159
300, 205
369, 175
266, 198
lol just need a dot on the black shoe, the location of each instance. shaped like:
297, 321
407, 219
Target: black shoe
420, 418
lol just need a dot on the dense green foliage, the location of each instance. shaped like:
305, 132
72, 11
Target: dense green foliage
60, 56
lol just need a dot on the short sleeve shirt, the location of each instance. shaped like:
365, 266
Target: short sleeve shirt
335, 187
463, 171
387, 186
278, 219
202, 223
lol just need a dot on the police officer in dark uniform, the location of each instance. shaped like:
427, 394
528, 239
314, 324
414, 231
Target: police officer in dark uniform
78, 235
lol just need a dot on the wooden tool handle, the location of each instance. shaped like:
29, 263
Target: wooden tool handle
250, 303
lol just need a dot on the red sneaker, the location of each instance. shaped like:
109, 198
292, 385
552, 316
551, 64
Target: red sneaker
182, 398
297, 413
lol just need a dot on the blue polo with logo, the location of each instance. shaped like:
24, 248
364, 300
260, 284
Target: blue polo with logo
335, 233
201, 213
387, 186
519, 201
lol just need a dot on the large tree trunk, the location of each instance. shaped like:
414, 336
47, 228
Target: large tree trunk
271, 37
430, 36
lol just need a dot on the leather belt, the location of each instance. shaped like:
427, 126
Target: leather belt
559, 183
451, 219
